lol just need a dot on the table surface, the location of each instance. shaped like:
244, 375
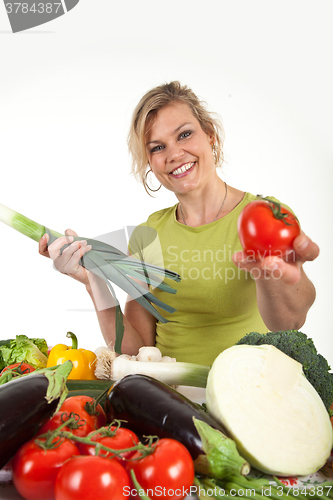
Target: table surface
8, 492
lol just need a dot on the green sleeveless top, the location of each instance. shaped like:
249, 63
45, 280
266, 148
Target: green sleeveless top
215, 301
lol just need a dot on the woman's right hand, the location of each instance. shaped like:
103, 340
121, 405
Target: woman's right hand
69, 261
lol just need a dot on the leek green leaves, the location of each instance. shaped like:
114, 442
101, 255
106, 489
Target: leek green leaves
110, 264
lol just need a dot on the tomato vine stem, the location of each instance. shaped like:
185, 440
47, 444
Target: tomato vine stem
54, 439
276, 208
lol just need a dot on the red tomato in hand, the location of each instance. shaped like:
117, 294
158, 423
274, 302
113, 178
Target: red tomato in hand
114, 438
82, 405
24, 368
79, 428
35, 470
92, 478
266, 228
168, 472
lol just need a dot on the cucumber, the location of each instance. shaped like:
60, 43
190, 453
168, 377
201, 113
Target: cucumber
91, 388
92, 385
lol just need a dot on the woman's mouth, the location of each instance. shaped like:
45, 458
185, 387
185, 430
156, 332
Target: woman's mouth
183, 169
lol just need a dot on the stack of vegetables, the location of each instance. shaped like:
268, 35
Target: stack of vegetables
141, 435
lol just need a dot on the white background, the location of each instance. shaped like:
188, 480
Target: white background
68, 89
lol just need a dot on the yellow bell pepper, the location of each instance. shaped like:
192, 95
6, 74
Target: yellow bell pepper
83, 360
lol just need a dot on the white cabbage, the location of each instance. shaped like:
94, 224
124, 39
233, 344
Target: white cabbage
276, 417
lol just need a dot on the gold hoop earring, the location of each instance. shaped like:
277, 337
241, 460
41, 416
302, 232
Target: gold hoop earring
145, 183
214, 153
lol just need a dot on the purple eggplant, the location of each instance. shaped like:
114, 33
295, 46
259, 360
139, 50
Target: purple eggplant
26, 403
150, 407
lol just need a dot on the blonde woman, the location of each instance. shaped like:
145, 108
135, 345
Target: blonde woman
222, 295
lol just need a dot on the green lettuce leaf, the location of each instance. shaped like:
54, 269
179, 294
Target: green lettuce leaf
32, 351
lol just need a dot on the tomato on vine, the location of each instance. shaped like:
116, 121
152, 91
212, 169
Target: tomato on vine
114, 437
88, 409
77, 425
35, 468
20, 368
91, 477
266, 228
168, 471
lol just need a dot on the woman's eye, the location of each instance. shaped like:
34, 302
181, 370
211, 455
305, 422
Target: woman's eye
156, 149
186, 134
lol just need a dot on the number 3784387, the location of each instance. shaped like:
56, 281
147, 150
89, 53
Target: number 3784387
35, 8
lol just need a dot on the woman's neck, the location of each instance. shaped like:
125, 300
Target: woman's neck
199, 208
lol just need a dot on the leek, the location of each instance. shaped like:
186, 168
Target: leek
110, 264
112, 367
174, 373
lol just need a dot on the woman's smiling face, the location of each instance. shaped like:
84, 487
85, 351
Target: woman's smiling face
179, 151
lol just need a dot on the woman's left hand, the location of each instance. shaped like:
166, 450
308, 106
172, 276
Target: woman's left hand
288, 269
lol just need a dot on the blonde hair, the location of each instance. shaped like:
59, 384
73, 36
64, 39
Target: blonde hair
145, 113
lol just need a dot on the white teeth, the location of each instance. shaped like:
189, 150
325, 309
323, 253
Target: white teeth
182, 169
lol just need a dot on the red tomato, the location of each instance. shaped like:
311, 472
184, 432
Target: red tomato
82, 405
168, 472
35, 470
114, 438
263, 233
24, 368
92, 478
79, 428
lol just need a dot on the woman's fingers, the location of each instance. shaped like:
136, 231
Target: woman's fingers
69, 261
271, 267
58, 244
279, 269
70, 232
66, 254
42, 244
287, 268
55, 248
305, 248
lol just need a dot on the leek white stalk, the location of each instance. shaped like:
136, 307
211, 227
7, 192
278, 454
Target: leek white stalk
276, 417
175, 373
112, 367
110, 264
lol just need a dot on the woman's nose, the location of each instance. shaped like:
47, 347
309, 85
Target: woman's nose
175, 153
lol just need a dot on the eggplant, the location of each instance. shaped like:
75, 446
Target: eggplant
26, 403
150, 407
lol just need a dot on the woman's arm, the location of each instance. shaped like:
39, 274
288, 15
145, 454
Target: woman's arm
284, 292
283, 306
140, 325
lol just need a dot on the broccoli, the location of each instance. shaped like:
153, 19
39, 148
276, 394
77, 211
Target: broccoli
301, 348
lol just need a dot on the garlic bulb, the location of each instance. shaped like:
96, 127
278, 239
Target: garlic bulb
149, 354
167, 359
